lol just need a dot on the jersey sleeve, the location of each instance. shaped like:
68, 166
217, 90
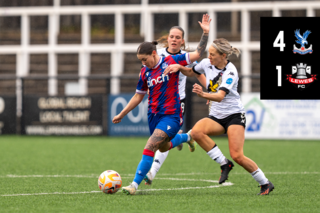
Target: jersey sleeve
182, 59
199, 68
142, 87
229, 78
192, 64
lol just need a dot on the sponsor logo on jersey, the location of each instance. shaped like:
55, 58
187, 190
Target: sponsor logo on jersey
302, 40
229, 80
215, 83
301, 76
231, 73
160, 79
168, 127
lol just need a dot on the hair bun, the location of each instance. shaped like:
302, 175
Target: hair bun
155, 42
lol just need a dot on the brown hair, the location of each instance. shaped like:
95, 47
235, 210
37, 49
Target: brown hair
163, 40
146, 48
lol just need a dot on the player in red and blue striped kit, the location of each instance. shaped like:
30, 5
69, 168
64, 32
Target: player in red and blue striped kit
164, 111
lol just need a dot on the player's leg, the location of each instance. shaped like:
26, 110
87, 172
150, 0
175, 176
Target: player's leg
167, 124
167, 127
236, 142
183, 107
157, 140
200, 132
160, 157
171, 124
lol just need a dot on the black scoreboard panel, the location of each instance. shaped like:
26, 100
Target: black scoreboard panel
290, 58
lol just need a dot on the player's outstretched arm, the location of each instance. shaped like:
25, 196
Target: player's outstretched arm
205, 25
176, 67
135, 101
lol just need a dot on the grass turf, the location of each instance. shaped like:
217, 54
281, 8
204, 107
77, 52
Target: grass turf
28, 165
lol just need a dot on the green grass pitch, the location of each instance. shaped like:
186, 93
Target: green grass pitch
60, 174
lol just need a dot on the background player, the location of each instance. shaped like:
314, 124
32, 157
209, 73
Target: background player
164, 111
226, 113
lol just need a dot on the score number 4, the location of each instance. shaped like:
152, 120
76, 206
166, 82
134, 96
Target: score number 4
279, 42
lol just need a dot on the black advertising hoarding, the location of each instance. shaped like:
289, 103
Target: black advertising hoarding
8, 114
79, 115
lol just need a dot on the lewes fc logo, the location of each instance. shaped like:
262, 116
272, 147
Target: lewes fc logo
301, 76
302, 40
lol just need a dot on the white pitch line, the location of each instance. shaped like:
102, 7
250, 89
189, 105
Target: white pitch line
205, 187
53, 193
161, 174
238, 173
49, 176
171, 189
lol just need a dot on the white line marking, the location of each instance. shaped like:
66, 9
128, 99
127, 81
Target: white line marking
53, 193
171, 189
161, 174
49, 176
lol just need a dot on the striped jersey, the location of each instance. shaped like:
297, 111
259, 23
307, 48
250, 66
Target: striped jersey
163, 90
226, 80
182, 78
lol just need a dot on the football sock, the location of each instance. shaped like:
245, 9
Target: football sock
179, 139
135, 185
189, 138
259, 176
216, 155
144, 166
159, 158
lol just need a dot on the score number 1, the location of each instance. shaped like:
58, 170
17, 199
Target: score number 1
279, 75
279, 42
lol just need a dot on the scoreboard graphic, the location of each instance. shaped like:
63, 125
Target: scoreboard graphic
290, 58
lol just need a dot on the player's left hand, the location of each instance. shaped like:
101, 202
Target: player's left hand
197, 89
205, 24
171, 69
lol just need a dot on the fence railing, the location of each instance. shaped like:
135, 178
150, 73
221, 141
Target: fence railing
117, 49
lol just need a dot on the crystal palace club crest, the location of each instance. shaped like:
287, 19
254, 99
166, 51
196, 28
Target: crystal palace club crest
302, 40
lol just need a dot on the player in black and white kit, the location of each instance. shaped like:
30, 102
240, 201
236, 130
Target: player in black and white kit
226, 112
173, 44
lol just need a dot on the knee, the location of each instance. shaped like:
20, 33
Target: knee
196, 134
163, 149
237, 157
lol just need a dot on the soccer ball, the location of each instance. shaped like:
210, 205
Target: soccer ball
109, 181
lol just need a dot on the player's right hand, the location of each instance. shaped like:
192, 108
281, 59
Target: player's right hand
116, 119
171, 69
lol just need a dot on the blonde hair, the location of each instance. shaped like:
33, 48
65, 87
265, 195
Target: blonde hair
223, 46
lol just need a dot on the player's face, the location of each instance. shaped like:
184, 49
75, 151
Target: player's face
216, 58
175, 40
147, 60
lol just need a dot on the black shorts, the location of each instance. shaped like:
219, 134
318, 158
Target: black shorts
237, 119
183, 105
